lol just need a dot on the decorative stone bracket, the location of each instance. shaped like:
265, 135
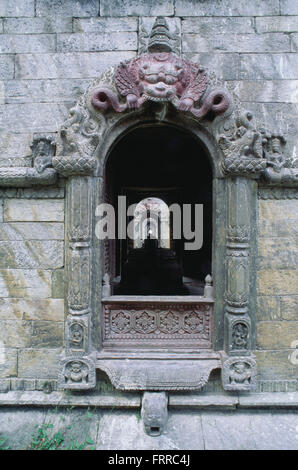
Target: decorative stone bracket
43, 148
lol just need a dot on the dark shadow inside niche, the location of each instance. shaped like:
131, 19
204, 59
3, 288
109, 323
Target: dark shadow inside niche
171, 165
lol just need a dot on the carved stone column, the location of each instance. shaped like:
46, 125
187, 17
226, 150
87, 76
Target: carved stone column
78, 361
239, 367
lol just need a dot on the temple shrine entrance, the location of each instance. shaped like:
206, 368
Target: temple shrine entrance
166, 177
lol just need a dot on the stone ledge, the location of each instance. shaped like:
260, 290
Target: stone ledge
212, 400
269, 400
133, 400
35, 398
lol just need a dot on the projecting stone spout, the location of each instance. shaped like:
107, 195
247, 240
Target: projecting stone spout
154, 412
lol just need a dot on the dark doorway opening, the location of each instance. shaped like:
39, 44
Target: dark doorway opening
171, 165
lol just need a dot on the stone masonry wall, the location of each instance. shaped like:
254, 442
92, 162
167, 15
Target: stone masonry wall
50, 50
277, 312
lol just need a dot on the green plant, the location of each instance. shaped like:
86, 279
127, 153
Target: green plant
3, 445
42, 441
83, 446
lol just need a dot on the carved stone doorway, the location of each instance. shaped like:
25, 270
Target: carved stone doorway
164, 162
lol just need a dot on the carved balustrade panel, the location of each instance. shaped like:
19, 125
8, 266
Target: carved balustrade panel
147, 322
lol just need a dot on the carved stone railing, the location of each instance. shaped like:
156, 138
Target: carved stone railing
162, 322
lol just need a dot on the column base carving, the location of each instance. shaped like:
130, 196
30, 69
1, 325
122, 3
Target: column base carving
77, 373
239, 373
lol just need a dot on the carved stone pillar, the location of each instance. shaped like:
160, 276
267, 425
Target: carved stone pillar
78, 367
238, 363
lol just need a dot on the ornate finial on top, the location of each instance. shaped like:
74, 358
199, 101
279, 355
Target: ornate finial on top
160, 38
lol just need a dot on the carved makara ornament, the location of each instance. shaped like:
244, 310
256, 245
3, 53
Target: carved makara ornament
161, 76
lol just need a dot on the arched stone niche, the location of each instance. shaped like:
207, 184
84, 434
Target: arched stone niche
180, 94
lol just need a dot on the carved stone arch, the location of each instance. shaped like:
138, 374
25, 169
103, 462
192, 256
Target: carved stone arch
134, 120
241, 153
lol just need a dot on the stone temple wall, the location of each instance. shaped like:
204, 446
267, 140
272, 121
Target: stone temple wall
50, 50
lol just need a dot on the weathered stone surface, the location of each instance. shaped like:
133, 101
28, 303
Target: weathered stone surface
33, 231
15, 9
226, 8
278, 228
104, 25
2, 93
275, 282
25, 283
137, 8
276, 365
268, 308
27, 210
258, 430
271, 400
16, 162
44, 254
33, 117
270, 42
8, 361
226, 66
289, 307
267, 91
21, 91
287, 7
119, 41
280, 210
276, 335
276, 24
32, 309
38, 363
177, 428
6, 67
1, 209
67, 8
46, 25
4, 385
18, 43
294, 39
268, 66
1, 25
47, 192
22, 384
277, 253
58, 284
14, 145
23, 425
15, 333
209, 400
8, 192
47, 334
205, 26
69, 65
